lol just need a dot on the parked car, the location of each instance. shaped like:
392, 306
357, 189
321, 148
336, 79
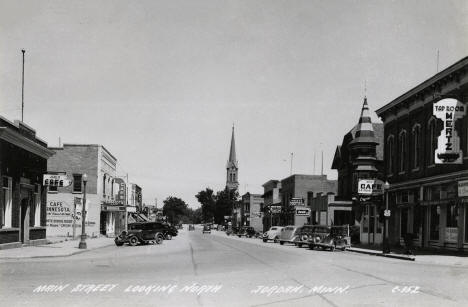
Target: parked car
246, 231
232, 230
206, 229
318, 234
288, 234
337, 238
272, 234
170, 231
303, 234
141, 232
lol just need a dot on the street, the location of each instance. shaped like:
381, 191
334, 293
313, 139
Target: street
198, 269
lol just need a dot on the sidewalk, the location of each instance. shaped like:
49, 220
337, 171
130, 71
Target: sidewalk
58, 248
379, 253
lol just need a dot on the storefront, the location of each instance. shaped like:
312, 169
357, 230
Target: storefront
112, 219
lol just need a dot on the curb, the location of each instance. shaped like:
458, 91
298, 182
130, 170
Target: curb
401, 257
56, 256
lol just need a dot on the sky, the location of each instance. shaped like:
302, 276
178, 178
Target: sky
160, 83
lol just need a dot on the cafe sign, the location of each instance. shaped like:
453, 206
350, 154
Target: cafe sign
370, 187
56, 180
448, 143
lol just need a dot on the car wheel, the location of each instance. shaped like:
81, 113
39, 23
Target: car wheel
299, 244
332, 248
168, 237
275, 240
133, 241
119, 243
239, 236
281, 242
158, 239
265, 240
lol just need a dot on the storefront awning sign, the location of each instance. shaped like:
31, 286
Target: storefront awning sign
275, 209
370, 187
56, 180
448, 143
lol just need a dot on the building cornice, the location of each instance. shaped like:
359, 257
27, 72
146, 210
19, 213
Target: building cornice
19, 140
453, 71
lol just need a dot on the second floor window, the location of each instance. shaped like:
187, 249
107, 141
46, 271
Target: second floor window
432, 141
77, 178
390, 154
402, 143
416, 146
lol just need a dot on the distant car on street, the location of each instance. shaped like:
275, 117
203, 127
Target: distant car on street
191, 227
288, 234
206, 229
272, 234
232, 230
143, 233
246, 231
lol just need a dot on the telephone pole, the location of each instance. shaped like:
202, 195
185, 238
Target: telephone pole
22, 89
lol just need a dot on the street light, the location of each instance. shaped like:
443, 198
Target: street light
82, 244
385, 244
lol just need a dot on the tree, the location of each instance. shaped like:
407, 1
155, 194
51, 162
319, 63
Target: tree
175, 209
207, 200
226, 200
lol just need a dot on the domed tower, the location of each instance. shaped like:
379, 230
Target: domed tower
363, 147
232, 168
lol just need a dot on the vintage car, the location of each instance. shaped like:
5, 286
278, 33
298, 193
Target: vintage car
272, 234
288, 234
141, 232
302, 235
337, 238
319, 232
246, 231
169, 231
231, 230
206, 228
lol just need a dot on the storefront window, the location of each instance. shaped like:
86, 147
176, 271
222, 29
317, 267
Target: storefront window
371, 218
365, 220
466, 223
404, 222
7, 203
434, 225
452, 215
417, 220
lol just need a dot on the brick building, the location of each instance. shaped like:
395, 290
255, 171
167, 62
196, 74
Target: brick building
429, 200
105, 215
23, 161
271, 202
360, 156
251, 210
301, 187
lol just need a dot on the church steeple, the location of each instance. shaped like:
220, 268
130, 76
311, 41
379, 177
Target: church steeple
231, 166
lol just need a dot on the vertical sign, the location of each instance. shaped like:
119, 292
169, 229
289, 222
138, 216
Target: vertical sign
448, 143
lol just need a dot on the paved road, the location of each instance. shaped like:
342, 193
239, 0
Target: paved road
198, 269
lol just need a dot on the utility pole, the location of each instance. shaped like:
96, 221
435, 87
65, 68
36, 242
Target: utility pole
126, 206
290, 169
22, 90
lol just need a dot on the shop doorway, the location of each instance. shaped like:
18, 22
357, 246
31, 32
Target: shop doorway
25, 212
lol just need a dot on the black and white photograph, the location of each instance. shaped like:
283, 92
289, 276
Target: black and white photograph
211, 153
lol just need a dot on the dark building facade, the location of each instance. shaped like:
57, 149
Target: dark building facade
23, 161
360, 157
428, 199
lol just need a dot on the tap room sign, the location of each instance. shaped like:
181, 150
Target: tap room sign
448, 143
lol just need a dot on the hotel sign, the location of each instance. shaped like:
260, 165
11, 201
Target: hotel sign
448, 143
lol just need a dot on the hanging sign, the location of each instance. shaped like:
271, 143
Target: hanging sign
275, 209
370, 187
448, 143
296, 202
303, 212
463, 188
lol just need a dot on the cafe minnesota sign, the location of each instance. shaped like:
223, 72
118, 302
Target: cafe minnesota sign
448, 143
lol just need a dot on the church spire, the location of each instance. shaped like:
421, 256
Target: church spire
231, 166
232, 152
